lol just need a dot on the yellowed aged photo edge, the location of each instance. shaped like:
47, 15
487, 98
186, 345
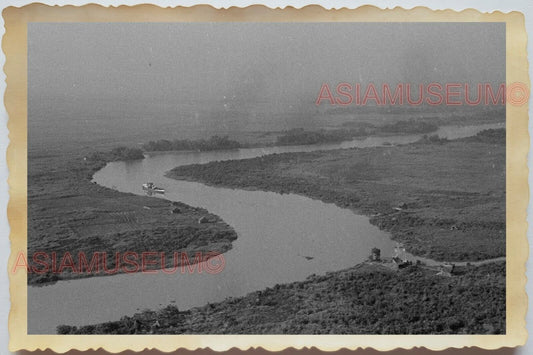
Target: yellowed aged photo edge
14, 45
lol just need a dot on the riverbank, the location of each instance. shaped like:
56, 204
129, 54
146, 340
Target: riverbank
443, 200
369, 298
70, 215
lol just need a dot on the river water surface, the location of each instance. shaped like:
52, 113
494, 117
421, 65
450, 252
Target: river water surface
281, 238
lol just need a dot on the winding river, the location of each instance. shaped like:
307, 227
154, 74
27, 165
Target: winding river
281, 238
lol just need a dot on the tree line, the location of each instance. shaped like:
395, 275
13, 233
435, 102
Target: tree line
213, 143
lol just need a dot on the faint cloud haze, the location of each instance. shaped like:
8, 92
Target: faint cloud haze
235, 76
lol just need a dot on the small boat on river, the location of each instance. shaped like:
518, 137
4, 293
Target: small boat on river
151, 188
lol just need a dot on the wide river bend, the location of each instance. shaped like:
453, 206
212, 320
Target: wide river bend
281, 238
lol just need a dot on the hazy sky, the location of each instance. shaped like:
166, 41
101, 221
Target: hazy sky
90, 71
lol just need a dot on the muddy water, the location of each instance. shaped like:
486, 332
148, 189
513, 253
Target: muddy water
282, 238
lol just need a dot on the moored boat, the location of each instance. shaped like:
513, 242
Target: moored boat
150, 187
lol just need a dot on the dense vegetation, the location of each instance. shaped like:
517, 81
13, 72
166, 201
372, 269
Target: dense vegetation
299, 136
116, 154
496, 136
69, 214
366, 299
452, 193
409, 126
213, 143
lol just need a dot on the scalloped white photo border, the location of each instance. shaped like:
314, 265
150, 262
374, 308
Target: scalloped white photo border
526, 7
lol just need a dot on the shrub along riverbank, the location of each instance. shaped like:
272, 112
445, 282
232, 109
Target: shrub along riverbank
366, 299
213, 143
299, 136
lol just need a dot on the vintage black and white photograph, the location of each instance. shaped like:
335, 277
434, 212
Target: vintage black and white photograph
266, 178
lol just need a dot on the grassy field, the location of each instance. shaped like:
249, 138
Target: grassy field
441, 199
69, 213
